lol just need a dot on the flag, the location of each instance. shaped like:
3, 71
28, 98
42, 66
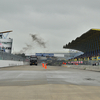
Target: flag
0, 43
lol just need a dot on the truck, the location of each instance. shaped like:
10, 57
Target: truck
33, 60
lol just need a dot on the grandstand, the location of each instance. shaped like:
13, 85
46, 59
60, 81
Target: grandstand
89, 43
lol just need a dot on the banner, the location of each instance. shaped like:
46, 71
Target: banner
94, 58
45, 54
98, 58
75, 59
86, 58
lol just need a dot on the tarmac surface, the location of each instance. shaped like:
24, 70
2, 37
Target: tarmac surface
53, 83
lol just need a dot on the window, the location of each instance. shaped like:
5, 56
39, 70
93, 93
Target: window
7, 42
0, 36
9, 48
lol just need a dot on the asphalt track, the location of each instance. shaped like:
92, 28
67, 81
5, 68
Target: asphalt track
53, 83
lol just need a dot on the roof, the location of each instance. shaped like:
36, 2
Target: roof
88, 41
5, 32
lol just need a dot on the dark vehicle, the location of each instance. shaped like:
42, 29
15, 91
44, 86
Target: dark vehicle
33, 60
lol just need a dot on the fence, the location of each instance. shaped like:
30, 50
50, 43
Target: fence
8, 56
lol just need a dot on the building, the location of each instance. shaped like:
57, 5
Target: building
5, 43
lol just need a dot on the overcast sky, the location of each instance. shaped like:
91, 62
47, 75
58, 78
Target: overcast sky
57, 22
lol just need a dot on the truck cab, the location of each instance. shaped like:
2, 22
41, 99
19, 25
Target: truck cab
33, 60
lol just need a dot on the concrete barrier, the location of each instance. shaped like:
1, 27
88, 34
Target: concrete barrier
85, 67
26, 63
7, 63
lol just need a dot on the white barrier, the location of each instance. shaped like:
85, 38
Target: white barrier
7, 63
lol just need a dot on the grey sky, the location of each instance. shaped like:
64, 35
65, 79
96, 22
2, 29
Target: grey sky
57, 22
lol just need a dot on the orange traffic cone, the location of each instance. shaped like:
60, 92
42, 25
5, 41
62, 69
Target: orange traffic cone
45, 66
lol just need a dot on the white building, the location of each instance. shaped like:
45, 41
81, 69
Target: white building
5, 43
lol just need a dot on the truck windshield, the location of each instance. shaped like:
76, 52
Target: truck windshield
33, 58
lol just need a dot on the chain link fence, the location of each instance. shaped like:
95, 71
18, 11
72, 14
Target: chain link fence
8, 56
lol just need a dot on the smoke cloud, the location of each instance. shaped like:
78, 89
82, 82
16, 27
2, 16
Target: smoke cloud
35, 40
39, 41
26, 48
